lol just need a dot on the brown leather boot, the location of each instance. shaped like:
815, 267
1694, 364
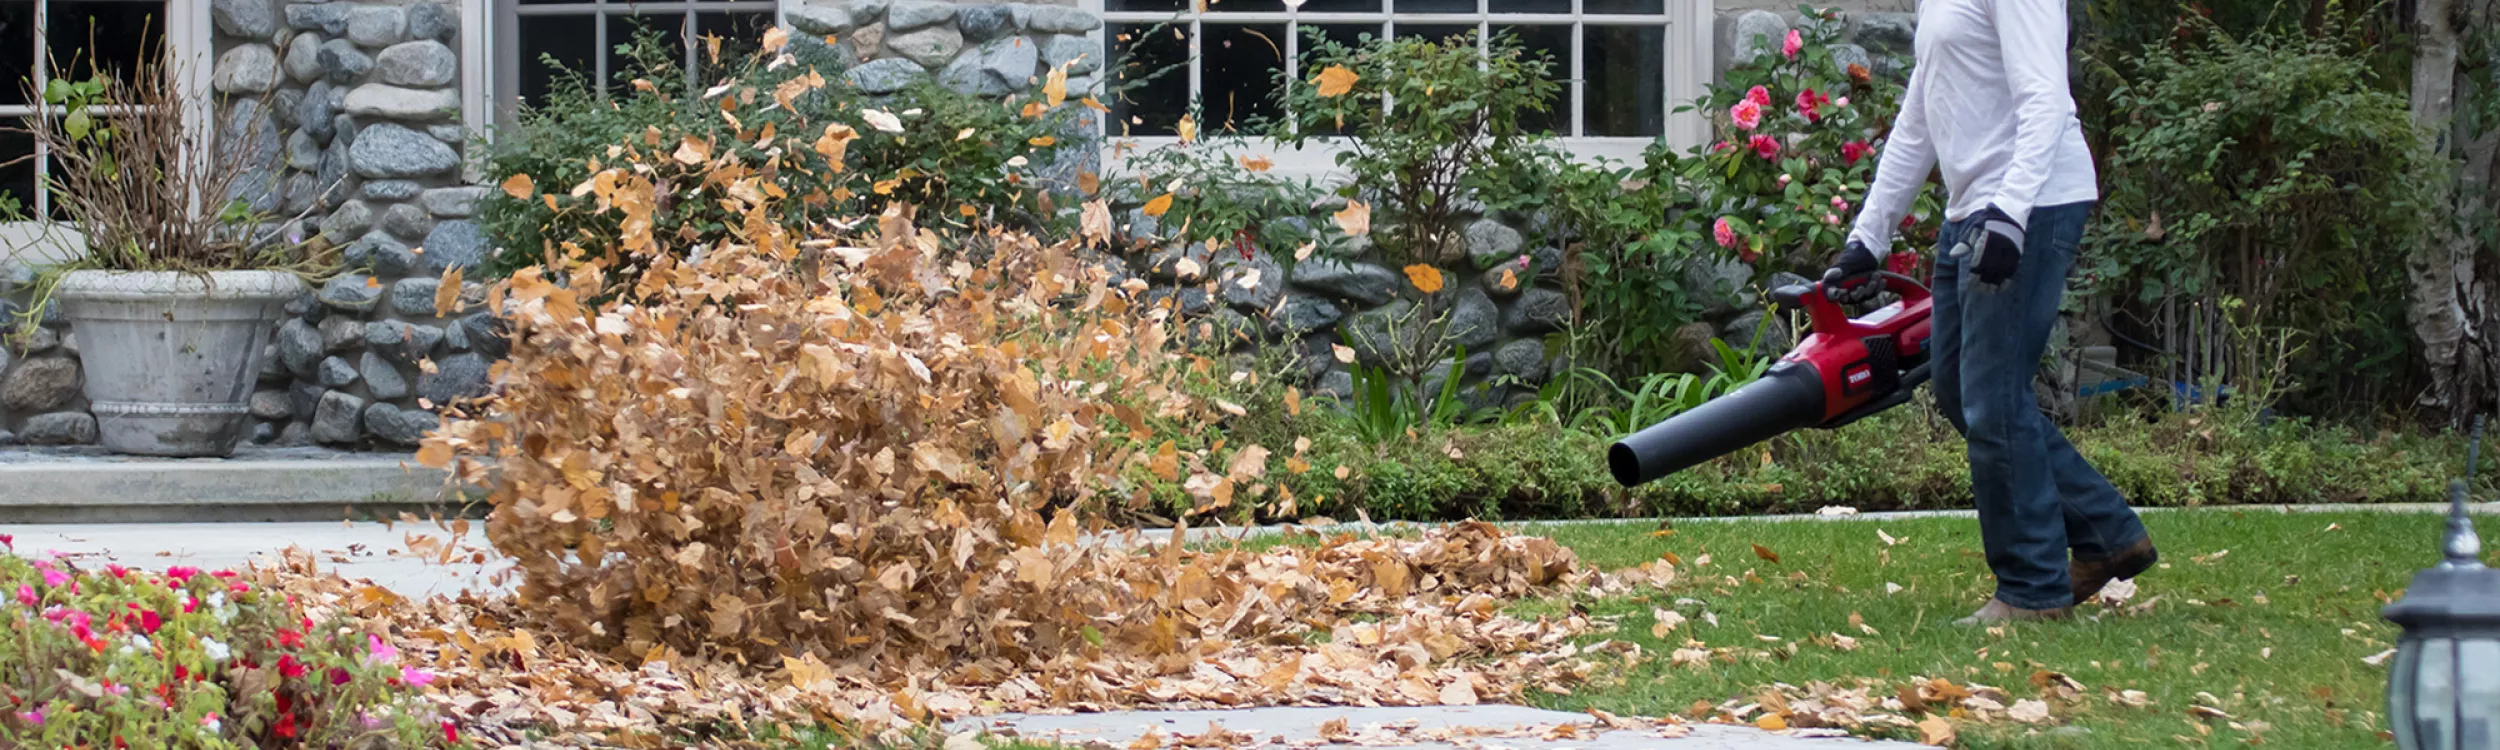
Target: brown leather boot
1997, 611
2090, 575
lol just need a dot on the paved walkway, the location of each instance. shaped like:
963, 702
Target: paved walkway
1515, 727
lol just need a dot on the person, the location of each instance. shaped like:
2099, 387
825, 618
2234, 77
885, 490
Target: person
1988, 103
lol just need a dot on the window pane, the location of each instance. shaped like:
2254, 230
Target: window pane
1652, 7
1248, 6
740, 33
1433, 31
1349, 34
1239, 72
1625, 93
113, 27
1153, 67
1434, 6
1528, 6
17, 165
1554, 44
571, 40
670, 27
1160, 6
1341, 6
17, 36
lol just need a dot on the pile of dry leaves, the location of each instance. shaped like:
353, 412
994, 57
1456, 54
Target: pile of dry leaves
841, 479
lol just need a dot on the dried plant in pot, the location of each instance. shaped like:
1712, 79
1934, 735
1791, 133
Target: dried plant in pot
181, 283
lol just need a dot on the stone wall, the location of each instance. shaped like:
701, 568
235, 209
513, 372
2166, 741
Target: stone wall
365, 103
41, 401
1879, 39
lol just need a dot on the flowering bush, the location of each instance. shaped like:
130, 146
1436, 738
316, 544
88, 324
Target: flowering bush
1797, 130
185, 658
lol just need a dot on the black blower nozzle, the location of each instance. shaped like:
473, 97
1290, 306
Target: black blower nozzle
1788, 397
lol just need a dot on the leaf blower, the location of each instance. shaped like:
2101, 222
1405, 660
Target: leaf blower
1845, 370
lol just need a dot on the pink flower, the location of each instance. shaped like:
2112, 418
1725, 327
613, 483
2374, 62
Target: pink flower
379, 652
414, 677
1796, 41
1724, 232
1840, 102
34, 717
1840, 203
212, 723
8, 540
1759, 95
1784, 179
54, 578
181, 574
150, 621
26, 595
1747, 114
1832, 219
1852, 151
1807, 101
1766, 146
1718, 147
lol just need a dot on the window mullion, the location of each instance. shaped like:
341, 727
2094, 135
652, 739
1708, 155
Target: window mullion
599, 54
43, 74
1197, 65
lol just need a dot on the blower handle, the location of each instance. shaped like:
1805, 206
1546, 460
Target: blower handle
1826, 317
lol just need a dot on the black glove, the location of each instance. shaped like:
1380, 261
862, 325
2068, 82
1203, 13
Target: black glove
1851, 280
1997, 242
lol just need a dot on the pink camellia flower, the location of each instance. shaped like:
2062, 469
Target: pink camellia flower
1832, 219
1766, 146
1784, 179
1724, 232
379, 652
1747, 114
1796, 41
1758, 95
1808, 103
1718, 147
1852, 151
1840, 203
1840, 102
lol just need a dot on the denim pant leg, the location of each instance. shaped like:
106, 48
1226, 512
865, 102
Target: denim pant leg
2014, 469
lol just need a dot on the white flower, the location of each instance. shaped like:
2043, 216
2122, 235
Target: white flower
882, 120
216, 651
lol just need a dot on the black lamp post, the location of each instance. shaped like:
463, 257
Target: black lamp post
2444, 691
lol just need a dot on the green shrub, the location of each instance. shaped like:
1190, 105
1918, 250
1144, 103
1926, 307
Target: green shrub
1433, 123
958, 158
182, 658
1225, 197
2277, 171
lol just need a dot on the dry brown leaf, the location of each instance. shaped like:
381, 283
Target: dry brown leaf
1425, 277
1158, 205
1765, 553
1335, 80
1355, 218
519, 186
1935, 730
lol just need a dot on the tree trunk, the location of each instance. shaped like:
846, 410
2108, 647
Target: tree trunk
2451, 301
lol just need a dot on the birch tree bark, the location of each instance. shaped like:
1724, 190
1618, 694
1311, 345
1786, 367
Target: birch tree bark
2452, 302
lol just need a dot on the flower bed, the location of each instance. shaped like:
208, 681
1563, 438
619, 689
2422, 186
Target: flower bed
121, 657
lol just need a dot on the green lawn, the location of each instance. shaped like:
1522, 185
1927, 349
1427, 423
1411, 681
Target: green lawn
2274, 632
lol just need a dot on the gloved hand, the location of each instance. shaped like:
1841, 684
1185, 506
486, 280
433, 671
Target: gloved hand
1992, 247
1851, 280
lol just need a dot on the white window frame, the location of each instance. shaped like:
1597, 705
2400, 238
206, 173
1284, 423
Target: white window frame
1687, 67
495, 88
188, 32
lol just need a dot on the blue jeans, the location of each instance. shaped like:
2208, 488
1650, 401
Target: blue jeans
2037, 497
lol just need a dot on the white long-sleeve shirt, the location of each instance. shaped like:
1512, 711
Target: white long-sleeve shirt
1988, 102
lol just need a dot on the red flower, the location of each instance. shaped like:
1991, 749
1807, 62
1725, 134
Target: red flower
1807, 101
8, 540
149, 621
286, 725
1852, 151
289, 667
181, 573
451, 734
290, 639
1766, 146
1909, 221
338, 676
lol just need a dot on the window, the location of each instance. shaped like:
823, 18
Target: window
85, 37
583, 36
1621, 62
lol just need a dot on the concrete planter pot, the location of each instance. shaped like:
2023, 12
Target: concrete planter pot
170, 357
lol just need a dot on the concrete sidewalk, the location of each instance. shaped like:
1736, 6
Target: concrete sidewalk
1492, 726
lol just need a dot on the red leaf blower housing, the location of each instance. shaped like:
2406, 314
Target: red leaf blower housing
1845, 370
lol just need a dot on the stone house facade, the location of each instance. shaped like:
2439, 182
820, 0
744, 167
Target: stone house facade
365, 114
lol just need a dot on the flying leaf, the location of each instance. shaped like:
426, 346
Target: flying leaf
1095, 223
519, 186
691, 151
1055, 87
1425, 277
1159, 205
447, 294
835, 142
1771, 722
1335, 80
1355, 219
775, 38
1249, 463
1344, 353
1257, 163
1765, 553
1187, 129
1293, 402
881, 120
1088, 182
1167, 462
